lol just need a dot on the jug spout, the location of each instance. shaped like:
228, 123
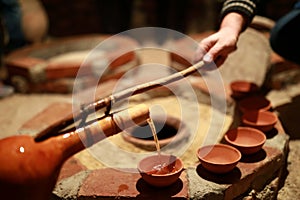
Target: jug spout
85, 137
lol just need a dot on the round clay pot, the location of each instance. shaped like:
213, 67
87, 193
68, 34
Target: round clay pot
219, 158
241, 88
247, 140
160, 176
167, 131
254, 103
32, 167
262, 120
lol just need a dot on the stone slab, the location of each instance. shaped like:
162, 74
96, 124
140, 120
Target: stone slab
68, 188
253, 172
247, 175
114, 184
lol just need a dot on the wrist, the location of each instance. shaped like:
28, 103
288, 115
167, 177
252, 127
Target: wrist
233, 22
246, 8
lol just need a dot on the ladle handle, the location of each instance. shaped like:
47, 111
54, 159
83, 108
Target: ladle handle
105, 102
109, 100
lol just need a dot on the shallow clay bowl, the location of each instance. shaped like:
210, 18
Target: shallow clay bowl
254, 103
241, 88
167, 175
262, 120
247, 140
219, 158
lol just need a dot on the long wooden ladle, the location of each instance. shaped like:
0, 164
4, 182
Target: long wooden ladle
113, 98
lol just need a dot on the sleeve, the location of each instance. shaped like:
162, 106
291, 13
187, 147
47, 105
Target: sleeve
247, 8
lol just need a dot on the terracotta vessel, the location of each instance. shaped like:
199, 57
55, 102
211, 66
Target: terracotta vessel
247, 140
262, 120
219, 158
242, 88
160, 170
29, 169
254, 103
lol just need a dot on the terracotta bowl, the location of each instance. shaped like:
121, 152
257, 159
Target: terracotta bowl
254, 103
241, 88
247, 140
219, 158
262, 120
160, 170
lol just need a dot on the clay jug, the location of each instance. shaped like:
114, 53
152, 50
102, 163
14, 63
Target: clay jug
29, 169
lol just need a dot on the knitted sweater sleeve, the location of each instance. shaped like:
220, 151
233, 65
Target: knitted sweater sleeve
247, 8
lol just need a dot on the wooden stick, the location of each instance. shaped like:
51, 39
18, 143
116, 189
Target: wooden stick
108, 101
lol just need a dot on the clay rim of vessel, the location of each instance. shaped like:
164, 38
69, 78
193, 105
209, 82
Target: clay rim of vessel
149, 162
241, 86
259, 118
232, 135
235, 154
255, 103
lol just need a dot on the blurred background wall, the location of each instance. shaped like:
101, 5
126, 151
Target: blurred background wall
72, 17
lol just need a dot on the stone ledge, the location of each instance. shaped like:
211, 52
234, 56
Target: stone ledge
255, 175
246, 176
68, 188
111, 184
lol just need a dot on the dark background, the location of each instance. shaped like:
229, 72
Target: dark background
73, 17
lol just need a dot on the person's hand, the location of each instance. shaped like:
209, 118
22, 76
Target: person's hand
219, 45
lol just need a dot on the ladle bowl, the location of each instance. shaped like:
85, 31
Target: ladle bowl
160, 170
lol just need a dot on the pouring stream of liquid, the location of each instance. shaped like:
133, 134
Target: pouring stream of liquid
162, 167
153, 130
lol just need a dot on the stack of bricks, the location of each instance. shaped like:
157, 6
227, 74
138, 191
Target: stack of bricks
34, 69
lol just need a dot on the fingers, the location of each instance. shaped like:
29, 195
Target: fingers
208, 57
222, 49
209, 66
215, 49
203, 48
198, 54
